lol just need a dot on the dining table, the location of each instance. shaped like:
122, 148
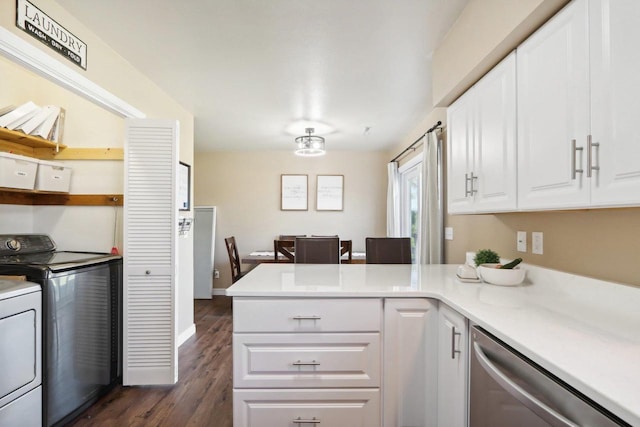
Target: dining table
260, 257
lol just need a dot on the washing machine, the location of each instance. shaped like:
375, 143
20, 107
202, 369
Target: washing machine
20, 354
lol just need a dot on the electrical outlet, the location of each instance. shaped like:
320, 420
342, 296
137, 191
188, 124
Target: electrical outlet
448, 233
521, 241
536, 242
216, 274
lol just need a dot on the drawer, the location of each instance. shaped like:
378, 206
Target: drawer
291, 408
307, 315
306, 360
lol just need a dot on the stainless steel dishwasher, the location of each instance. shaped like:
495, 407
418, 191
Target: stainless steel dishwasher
507, 389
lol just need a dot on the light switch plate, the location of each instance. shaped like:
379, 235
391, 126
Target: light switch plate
536, 242
448, 233
521, 241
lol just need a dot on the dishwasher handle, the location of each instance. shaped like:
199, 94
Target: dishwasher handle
530, 401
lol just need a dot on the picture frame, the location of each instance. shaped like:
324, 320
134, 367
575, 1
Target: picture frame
293, 192
330, 193
184, 187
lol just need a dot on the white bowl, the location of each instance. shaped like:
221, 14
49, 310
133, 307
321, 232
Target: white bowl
498, 276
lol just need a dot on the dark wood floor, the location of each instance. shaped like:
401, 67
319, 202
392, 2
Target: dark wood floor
203, 394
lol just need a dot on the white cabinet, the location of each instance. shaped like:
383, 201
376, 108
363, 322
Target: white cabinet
578, 89
615, 101
453, 353
305, 407
410, 361
306, 361
482, 144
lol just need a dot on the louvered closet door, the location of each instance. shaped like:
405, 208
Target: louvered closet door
150, 230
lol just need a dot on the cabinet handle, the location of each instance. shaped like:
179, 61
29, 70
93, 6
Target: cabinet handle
473, 190
590, 166
466, 185
306, 317
313, 420
453, 342
574, 149
300, 363
469, 180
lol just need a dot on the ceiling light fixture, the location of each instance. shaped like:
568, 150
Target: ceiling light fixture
310, 145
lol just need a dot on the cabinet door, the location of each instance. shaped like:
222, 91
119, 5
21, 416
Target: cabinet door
495, 141
410, 362
453, 356
460, 145
553, 110
615, 101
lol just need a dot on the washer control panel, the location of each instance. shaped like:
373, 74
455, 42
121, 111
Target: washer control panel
13, 244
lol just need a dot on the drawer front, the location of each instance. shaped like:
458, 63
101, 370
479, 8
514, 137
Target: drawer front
291, 408
306, 315
306, 360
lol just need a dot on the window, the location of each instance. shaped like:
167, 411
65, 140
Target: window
411, 203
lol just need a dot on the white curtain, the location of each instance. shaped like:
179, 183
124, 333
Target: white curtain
432, 205
393, 200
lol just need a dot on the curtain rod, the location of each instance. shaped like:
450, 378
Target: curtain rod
411, 147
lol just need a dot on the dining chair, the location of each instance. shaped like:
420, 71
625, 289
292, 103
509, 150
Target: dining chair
388, 250
346, 248
291, 237
284, 247
234, 259
317, 250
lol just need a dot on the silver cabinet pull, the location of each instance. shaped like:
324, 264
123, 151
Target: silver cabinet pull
454, 351
307, 317
473, 190
313, 420
300, 363
574, 149
469, 180
466, 185
590, 166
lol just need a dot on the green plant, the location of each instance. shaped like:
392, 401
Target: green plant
485, 256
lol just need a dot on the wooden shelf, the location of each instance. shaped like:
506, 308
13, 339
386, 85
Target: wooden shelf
40, 148
12, 196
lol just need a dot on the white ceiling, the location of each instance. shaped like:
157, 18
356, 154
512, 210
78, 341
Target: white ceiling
254, 72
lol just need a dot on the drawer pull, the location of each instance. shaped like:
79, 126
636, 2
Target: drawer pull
313, 420
307, 317
300, 363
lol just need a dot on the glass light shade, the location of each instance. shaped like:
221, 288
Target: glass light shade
310, 145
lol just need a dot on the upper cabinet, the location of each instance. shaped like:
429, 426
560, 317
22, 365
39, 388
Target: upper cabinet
576, 143
615, 102
578, 89
482, 144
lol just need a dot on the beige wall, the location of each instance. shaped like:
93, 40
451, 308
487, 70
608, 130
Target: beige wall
601, 243
245, 187
90, 228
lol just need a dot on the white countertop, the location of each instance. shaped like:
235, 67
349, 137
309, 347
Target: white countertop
585, 331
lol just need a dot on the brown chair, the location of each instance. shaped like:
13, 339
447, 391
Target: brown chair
346, 248
284, 247
317, 250
388, 250
291, 237
234, 259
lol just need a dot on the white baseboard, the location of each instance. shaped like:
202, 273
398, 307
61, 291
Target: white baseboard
188, 333
218, 291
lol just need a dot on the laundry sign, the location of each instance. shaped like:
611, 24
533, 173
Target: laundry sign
40, 26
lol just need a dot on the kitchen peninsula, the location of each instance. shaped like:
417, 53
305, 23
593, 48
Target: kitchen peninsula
582, 330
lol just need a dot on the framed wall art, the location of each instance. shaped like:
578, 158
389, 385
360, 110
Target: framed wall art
184, 187
293, 192
330, 193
